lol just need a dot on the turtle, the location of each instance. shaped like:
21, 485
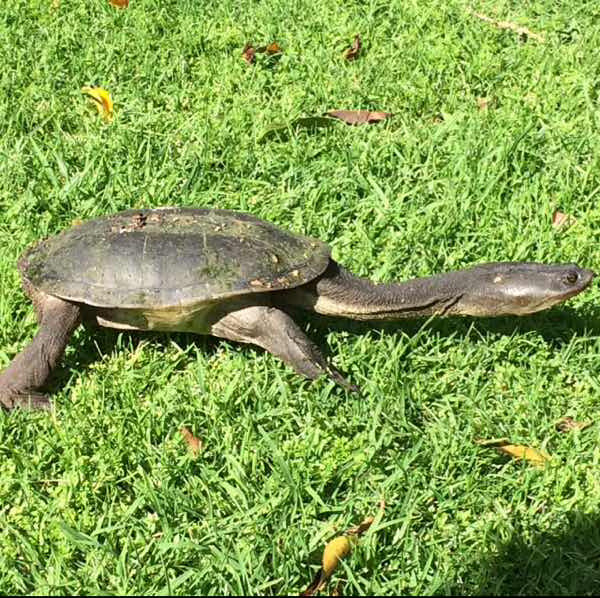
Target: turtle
231, 275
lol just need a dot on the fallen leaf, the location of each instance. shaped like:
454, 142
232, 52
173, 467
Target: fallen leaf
334, 552
483, 103
367, 523
568, 424
194, 444
119, 3
361, 528
358, 117
102, 101
337, 549
518, 451
249, 54
354, 50
536, 457
522, 31
271, 49
561, 220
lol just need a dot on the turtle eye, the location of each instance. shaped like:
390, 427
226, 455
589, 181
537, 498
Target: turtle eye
572, 277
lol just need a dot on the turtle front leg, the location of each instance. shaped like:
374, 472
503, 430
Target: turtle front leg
275, 331
30, 369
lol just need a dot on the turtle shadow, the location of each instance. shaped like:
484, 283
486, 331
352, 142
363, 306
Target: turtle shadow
564, 561
557, 327
92, 344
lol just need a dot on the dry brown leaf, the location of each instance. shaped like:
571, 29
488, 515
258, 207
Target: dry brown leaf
271, 49
522, 31
358, 117
568, 424
119, 3
483, 103
194, 444
360, 529
249, 54
354, 50
561, 220
102, 101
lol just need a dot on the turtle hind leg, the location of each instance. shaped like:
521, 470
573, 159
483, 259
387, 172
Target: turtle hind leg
276, 332
31, 368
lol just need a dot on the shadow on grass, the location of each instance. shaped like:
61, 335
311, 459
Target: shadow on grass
557, 328
562, 562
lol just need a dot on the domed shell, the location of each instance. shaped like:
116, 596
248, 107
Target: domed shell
169, 257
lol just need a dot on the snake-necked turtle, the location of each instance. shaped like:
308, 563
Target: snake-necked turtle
234, 276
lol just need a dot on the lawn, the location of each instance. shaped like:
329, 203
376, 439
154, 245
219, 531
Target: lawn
492, 132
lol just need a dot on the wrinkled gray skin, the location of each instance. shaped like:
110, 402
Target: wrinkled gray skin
233, 276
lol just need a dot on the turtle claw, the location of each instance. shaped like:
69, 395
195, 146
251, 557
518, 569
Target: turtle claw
335, 375
26, 400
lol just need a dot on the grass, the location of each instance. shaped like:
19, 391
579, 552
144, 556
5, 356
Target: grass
103, 497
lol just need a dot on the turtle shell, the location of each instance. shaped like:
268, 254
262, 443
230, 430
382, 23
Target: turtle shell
170, 257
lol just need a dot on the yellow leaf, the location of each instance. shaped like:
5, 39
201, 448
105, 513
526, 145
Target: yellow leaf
119, 3
102, 101
337, 549
334, 552
518, 451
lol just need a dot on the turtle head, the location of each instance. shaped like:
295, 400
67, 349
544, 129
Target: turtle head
521, 288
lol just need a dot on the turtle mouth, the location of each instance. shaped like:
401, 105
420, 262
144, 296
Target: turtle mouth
587, 276
585, 280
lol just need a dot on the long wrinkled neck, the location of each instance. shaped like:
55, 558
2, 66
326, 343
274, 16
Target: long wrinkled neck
339, 293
